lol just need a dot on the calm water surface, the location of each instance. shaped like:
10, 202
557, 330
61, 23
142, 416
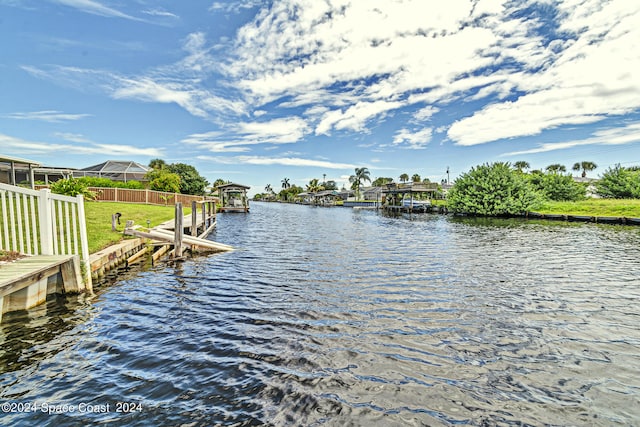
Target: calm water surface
338, 317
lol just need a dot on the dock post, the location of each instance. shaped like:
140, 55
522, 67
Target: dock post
179, 230
204, 217
194, 218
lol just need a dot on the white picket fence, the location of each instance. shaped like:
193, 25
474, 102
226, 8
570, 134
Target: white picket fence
42, 223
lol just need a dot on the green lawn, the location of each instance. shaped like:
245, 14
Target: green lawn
98, 216
594, 207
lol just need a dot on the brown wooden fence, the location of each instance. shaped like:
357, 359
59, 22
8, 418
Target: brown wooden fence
150, 197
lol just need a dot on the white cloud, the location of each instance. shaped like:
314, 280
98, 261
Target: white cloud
339, 65
414, 140
278, 131
628, 134
425, 113
355, 117
24, 146
51, 116
336, 57
583, 80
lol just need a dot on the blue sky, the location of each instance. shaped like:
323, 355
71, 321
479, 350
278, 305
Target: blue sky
256, 91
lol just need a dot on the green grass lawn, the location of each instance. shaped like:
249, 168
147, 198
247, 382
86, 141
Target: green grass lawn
594, 207
98, 215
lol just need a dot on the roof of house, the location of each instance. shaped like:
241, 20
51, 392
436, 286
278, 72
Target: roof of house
9, 159
232, 186
117, 166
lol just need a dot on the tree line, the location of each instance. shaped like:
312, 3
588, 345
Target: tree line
357, 180
501, 188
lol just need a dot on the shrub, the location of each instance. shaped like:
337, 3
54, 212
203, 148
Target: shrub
619, 183
558, 187
492, 189
163, 180
92, 181
71, 187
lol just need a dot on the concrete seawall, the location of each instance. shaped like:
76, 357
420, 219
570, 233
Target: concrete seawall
114, 256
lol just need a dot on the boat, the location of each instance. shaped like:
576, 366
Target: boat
416, 204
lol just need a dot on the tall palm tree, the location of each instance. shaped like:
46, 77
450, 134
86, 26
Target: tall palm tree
404, 177
361, 175
556, 168
585, 166
157, 164
314, 186
285, 183
521, 166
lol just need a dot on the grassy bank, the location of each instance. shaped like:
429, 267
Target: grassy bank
98, 216
594, 207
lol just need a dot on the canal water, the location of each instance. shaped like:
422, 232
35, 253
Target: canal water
336, 317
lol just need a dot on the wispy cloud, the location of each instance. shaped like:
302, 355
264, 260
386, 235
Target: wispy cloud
51, 116
235, 6
278, 131
629, 134
25, 146
284, 161
187, 93
73, 137
96, 8
161, 13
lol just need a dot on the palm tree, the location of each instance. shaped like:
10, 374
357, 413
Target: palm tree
521, 166
415, 178
361, 175
285, 183
404, 177
556, 168
585, 166
314, 186
157, 164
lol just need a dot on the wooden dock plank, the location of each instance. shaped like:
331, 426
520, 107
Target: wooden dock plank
20, 273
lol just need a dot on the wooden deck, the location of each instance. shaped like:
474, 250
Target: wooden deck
25, 283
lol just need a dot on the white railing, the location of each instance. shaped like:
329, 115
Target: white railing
42, 223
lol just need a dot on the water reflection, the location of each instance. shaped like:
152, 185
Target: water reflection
340, 317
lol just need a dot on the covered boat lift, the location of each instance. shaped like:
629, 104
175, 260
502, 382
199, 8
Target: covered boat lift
394, 195
233, 197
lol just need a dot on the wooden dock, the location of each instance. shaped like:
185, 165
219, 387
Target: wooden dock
26, 282
184, 231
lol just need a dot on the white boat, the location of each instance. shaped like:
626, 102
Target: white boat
417, 204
